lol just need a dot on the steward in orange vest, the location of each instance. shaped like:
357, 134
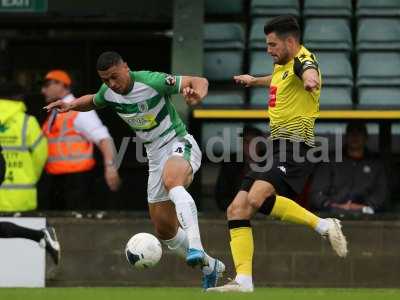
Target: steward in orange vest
71, 138
69, 151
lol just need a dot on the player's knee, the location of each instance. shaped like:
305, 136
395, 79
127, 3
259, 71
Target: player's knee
237, 211
231, 210
256, 202
171, 182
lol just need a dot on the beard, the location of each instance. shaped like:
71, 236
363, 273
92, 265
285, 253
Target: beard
284, 58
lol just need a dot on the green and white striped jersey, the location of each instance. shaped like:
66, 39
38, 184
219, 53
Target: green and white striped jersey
147, 108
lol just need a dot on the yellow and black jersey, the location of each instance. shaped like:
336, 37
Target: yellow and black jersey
292, 109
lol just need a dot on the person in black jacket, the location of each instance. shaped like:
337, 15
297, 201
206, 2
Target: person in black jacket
356, 185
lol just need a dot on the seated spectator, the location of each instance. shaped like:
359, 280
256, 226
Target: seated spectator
231, 173
358, 184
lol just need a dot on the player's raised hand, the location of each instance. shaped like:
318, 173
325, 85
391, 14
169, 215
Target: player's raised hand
191, 96
244, 79
59, 105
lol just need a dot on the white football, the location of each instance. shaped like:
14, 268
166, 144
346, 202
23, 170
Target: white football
143, 250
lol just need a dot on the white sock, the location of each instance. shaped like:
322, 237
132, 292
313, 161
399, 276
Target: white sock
186, 212
322, 226
178, 244
209, 268
244, 280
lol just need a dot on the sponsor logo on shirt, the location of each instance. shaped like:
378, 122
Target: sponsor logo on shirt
141, 122
272, 96
285, 74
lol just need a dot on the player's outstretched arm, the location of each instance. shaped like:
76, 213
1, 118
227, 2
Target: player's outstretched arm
84, 103
194, 89
251, 81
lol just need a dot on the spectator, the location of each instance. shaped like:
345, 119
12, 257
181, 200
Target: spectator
24, 150
231, 173
71, 137
356, 185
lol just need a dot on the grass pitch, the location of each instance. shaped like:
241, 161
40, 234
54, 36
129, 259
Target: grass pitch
194, 294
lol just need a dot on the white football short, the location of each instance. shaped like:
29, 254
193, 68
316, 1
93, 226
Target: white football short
185, 147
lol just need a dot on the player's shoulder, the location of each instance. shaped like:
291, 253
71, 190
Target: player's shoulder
305, 55
103, 89
146, 76
304, 60
156, 80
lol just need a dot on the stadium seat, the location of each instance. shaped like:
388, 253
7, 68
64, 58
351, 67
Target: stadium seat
261, 63
335, 68
259, 97
220, 137
257, 39
327, 8
260, 8
224, 7
378, 34
336, 97
224, 47
329, 128
378, 69
379, 97
224, 98
328, 34
375, 8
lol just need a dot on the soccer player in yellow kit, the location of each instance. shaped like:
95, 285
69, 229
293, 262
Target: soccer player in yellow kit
294, 89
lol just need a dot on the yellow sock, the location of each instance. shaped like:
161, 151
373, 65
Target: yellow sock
242, 247
289, 211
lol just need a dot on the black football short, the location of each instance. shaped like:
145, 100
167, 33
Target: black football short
286, 172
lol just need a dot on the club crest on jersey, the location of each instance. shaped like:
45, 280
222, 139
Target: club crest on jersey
142, 106
285, 74
170, 80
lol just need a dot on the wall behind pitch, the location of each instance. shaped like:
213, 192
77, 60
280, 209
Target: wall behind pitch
22, 261
285, 255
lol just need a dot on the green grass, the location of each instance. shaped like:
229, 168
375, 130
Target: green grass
194, 294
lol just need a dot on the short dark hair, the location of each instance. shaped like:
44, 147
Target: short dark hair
108, 59
12, 91
283, 26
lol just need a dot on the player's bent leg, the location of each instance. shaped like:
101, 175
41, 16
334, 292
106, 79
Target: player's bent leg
166, 226
177, 174
288, 210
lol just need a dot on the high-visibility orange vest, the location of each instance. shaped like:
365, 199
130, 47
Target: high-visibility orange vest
69, 151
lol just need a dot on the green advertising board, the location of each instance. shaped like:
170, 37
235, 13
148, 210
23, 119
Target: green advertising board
23, 6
